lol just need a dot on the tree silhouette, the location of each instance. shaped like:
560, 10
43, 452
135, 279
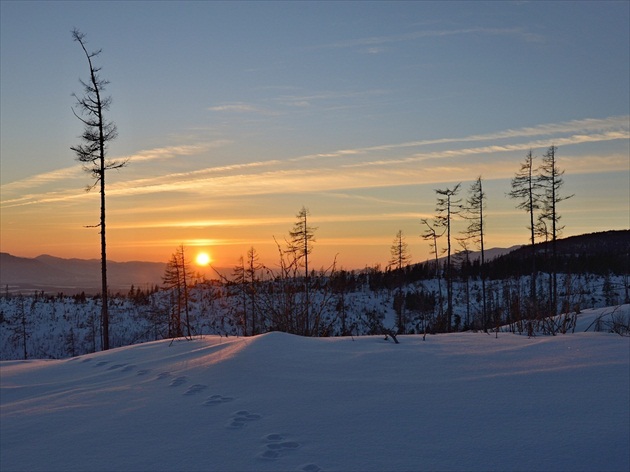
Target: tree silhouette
400, 258
431, 235
551, 181
526, 188
97, 133
475, 205
177, 277
300, 245
447, 208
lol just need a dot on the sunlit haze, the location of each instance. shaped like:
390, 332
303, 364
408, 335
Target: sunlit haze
235, 115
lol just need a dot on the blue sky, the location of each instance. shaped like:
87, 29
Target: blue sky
235, 115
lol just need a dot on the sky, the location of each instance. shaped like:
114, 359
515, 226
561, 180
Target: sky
235, 115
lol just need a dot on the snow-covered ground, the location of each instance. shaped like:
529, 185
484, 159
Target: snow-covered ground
46, 326
465, 401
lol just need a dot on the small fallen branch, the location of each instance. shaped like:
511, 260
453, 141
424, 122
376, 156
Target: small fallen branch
389, 333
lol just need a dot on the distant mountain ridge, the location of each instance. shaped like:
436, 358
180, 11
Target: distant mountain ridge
55, 274
489, 254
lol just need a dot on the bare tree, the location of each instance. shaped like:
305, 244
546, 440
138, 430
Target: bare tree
399, 251
525, 188
97, 133
474, 207
430, 234
447, 208
462, 257
245, 275
177, 277
300, 244
400, 258
239, 279
551, 181
251, 271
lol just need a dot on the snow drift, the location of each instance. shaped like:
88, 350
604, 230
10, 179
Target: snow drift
277, 402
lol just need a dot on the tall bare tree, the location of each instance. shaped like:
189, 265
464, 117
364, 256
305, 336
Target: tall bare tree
97, 133
474, 208
300, 244
447, 208
525, 189
430, 234
551, 181
400, 258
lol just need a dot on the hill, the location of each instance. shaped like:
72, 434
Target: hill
70, 276
278, 402
597, 253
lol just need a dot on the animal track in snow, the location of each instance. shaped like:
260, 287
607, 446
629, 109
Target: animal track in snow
101, 363
310, 468
242, 417
277, 446
128, 368
176, 382
143, 372
194, 389
116, 366
163, 375
216, 399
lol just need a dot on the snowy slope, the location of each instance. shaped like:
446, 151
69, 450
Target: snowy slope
279, 402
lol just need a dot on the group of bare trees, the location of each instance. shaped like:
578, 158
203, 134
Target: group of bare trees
177, 278
286, 303
246, 277
537, 189
448, 207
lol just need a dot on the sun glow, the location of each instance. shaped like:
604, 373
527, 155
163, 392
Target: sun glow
203, 259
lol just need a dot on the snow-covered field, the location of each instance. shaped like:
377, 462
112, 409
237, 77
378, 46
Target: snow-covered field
465, 401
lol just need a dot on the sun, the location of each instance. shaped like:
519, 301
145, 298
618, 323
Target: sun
203, 259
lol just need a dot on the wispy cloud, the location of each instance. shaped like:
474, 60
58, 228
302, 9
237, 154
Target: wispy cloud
76, 171
45, 178
363, 167
616, 127
45, 188
492, 149
240, 107
170, 152
374, 41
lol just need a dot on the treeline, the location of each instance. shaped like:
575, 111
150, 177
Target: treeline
345, 303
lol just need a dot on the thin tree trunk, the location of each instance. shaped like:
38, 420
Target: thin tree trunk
104, 296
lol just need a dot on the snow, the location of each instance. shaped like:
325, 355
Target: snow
277, 402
